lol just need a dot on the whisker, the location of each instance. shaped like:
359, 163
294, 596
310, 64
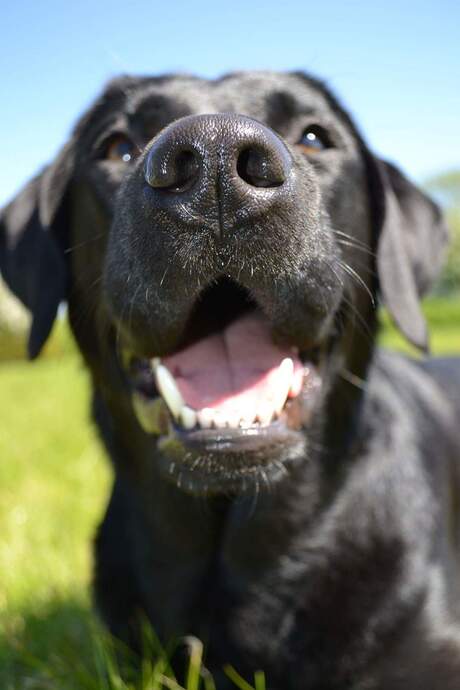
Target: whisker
358, 280
95, 282
334, 272
84, 243
118, 323
358, 247
353, 241
131, 308
353, 379
364, 326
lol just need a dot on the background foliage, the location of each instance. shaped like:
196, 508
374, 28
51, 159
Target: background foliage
445, 189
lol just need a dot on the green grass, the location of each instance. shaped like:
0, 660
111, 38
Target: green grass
443, 316
49, 510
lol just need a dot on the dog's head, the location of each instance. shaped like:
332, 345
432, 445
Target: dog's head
221, 245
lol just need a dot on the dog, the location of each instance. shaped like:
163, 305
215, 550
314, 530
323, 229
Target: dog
283, 489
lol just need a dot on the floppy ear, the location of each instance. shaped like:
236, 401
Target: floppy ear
32, 239
410, 251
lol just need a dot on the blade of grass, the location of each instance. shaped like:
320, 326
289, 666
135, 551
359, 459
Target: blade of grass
259, 680
171, 684
195, 661
235, 677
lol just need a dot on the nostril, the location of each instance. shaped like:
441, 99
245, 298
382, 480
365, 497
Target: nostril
175, 174
187, 172
259, 168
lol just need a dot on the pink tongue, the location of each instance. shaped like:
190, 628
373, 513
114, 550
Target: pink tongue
235, 369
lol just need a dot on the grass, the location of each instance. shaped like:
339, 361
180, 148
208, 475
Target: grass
443, 316
49, 637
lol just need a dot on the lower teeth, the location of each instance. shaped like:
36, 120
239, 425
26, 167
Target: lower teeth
154, 417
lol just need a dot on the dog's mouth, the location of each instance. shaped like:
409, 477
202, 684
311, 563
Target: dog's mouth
229, 403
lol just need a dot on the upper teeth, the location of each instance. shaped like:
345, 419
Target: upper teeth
284, 376
224, 416
188, 417
167, 387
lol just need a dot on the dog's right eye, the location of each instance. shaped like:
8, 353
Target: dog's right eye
120, 149
314, 139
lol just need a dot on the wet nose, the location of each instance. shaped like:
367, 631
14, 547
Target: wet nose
231, 160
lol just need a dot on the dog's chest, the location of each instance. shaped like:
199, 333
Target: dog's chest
243, 607
230, 591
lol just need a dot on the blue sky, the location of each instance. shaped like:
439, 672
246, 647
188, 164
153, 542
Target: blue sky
395, 64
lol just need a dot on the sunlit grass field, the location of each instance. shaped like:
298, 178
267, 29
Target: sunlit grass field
54, 482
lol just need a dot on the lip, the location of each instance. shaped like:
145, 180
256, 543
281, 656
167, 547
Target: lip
249, 440
229, 461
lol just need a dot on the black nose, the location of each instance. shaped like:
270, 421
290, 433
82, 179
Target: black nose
227, 163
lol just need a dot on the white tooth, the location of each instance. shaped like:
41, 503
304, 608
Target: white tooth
150, 413
168, 389
205, 417
294, 390
219, 419
155, 361
187, 417
247, 420
280, 400
233, 418
287, 368
284, 375
265, 413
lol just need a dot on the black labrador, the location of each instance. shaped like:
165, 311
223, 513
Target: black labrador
283, 490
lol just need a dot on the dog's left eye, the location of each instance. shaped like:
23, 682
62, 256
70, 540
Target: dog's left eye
119, 148
314, 139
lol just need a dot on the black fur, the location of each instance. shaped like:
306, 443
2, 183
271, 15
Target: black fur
344, 573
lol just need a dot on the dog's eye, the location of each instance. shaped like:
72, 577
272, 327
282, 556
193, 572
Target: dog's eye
120, 148
314, 139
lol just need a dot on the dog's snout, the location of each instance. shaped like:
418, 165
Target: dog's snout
229, 161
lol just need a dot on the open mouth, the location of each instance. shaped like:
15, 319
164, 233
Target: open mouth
228, 390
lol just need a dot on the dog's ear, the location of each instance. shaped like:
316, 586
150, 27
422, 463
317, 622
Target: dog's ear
410, 250
33, 228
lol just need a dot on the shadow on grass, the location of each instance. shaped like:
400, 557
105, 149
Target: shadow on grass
51, 647
64, 647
